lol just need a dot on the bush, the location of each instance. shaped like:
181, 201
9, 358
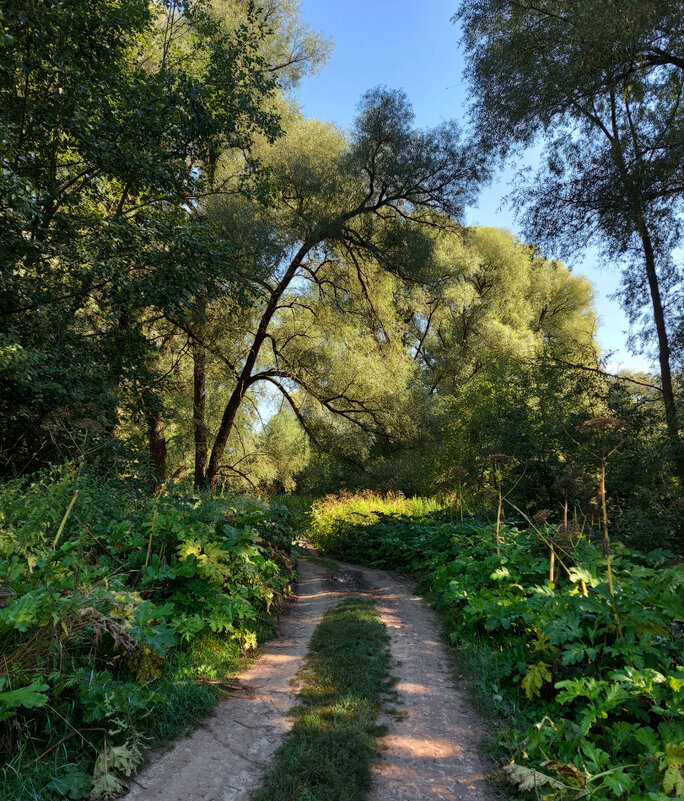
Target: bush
601, 675
116, 610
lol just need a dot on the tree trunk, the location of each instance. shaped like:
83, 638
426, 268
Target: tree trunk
636, 197
157, 447
245, 377
227, 422
199, 376
663, 356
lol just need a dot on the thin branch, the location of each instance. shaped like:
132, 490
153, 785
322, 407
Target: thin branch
604, 373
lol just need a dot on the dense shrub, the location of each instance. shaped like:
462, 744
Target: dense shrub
601, 676
119, 614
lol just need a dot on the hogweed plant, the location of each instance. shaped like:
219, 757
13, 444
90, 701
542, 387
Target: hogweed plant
578, 709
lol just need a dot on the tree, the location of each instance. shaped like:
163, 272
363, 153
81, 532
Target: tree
339, 205
495, 298
481, 337
282, 452
602, 83
488, 339
114, 116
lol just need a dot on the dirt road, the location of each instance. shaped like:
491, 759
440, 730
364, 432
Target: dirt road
432, 749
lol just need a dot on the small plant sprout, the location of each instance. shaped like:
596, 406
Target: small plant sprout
497, 460
64, 519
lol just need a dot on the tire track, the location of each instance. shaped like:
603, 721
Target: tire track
432, 750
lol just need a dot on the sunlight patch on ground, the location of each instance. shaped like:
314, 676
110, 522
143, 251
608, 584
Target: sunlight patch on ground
425, 747
413, 688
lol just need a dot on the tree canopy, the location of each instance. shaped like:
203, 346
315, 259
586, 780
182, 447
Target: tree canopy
601, 83
200, 283
113, 119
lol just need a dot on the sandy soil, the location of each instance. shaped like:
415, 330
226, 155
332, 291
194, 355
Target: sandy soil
432, 749
433, 746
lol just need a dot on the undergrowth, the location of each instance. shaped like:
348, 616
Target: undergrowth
328, 754
584, 688
121, 616
368, 507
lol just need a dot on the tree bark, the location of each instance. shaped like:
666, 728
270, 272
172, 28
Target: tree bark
671, 417
636, 197
157, 447
199, 378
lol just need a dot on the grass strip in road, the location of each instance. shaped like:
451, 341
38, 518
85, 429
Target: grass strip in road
328, 754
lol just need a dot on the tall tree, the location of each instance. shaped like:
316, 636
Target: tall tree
602, 84
113, 118
341, 202
485, 337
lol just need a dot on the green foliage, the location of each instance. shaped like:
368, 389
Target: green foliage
338, 521
28, 697
599, 84
603, 676
108, 635
113, 119
328, 754
318, 266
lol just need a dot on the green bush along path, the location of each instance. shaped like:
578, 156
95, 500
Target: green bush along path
581, 675
121, 615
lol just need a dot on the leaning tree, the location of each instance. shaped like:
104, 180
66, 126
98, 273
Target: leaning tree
338, 203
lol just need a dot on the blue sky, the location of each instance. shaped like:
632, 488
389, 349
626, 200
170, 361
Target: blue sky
412, 45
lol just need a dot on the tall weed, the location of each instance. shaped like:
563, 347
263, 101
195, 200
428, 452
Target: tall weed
120, 619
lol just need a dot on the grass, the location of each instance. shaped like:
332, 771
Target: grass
328, 754
370, 505
321, 561
193, 681
189, 688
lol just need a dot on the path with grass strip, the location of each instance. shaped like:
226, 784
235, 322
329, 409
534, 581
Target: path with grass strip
431, 749
328, 754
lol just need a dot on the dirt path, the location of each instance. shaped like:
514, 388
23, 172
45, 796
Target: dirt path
227, 757
432, 751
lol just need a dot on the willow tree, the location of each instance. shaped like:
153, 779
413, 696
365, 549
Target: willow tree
601, 83
487, 334
466, 364
492, 297
338, 202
